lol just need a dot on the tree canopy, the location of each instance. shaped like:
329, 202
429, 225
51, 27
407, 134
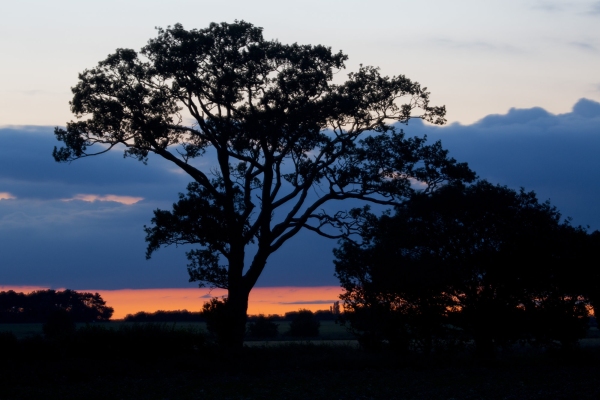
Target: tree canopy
285, 138
38, 305
493, 262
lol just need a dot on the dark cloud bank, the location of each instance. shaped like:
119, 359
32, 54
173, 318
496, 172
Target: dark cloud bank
45, 240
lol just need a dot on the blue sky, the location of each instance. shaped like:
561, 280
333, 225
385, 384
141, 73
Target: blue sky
58, 227
511, 74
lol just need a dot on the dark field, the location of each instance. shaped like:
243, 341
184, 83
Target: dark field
167, 364
329, 330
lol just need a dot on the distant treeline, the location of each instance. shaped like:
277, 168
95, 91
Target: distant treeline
198, 316
39, 305
166, 316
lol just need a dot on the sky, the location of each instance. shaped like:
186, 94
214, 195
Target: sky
476, 57
519, 79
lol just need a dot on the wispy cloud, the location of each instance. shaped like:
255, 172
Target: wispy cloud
308, 302
127, 200
548, 6
478, 45
6, 196
578, 8
584, 46
595, 9
38, 92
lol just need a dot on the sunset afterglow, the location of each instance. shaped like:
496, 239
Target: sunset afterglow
263, 300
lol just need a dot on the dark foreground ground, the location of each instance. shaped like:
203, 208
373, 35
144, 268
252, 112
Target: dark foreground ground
302, 372
163, 364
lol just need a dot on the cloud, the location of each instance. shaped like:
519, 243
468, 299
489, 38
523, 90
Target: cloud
584, 46
6, 196
554, 155
548, 6
127, 200
28, 171
479, 46
308, 302
594, 9
37, 92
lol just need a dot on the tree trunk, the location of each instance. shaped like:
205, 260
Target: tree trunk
237, 309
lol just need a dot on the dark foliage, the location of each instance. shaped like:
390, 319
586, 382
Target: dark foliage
272, 317
39, 305
286, 140
481, 263
216, 314
165, 316
303, 324
319, 315
262, 327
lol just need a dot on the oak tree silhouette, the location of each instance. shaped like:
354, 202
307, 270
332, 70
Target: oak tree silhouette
286, 139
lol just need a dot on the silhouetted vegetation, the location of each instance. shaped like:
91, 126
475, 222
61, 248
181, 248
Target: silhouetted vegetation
262, 327
480, 263
39, 305
165, 316
286, 138
215, 313
303, 324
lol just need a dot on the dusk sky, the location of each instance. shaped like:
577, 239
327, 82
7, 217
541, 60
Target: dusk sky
519, 79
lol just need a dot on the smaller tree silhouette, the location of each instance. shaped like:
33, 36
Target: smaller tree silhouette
262, 328
494, 263
38, 305
304, 324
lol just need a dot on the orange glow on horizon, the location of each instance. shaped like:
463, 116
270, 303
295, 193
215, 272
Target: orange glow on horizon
263, 300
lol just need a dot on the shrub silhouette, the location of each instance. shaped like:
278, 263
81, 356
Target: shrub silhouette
262, 327
59, 324
304, 324
217, 313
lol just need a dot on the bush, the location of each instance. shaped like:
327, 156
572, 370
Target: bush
304, 324
215, 312
262, 327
